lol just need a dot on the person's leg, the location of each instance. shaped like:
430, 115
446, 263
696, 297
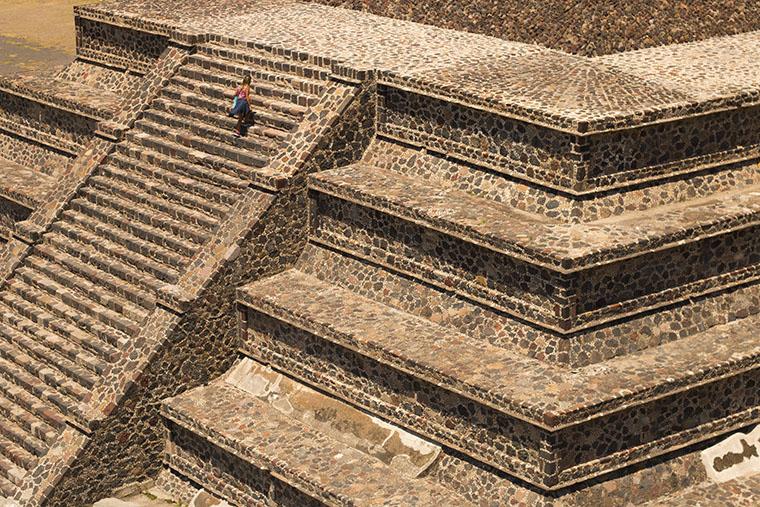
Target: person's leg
241, 117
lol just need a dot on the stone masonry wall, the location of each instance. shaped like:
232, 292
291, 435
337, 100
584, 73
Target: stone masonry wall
586, 27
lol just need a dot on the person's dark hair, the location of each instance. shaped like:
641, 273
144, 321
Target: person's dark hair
247, 80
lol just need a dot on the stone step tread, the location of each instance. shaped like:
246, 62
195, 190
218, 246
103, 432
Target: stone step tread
156, 195
229, 186
203, 197
77, 300
262, 57
261, 175
24, 185
304, 457
16, 374
254, 139
48, 356
11, 429
41, 373
109, 257
119, 286
277, 113
115, 211
80, 338
71, 95
76, 317
154, 210
100, 294
234, 66
533, 238
548, 395
288, 88
27, 420
143, 253
739, 492
219, 119
72, 350
226, 150
49, 414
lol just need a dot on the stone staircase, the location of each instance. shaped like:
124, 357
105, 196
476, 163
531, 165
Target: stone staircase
41, 134
553, 359
76, 308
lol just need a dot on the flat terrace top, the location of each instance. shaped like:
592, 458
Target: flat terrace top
531, 82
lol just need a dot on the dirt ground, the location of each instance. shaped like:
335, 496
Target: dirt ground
36, 34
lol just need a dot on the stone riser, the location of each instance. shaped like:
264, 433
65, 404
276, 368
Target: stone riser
217, 67
31, 154
415, 162
260, 58
225, 475
568, 455
566, 161
10, 213
73, 129
542, 295
481, 321
118, 46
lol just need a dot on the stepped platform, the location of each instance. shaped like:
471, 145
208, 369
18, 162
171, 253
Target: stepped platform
141, 248
509, 398
582, 126
281, 433
474, 270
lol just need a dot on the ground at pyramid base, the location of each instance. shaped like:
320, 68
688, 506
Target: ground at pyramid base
455, 263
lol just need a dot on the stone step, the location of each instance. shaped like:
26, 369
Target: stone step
99, 293
90, 274
11, 430
76, 317
16, 372
15, 462
80, 338
226, 150
283, 87
136, 253
110, 257
260, 174
222, 186
253, 141
562, 276
155, 211
30, 423
309, 457
9, 475
199, 224
372, 354
48, 356
78, 300
259, 73
426, 301
220, 119
152, 180
265, 59
71, 349
112, 224
269, 112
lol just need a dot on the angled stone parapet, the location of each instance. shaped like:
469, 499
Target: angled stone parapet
544, 424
